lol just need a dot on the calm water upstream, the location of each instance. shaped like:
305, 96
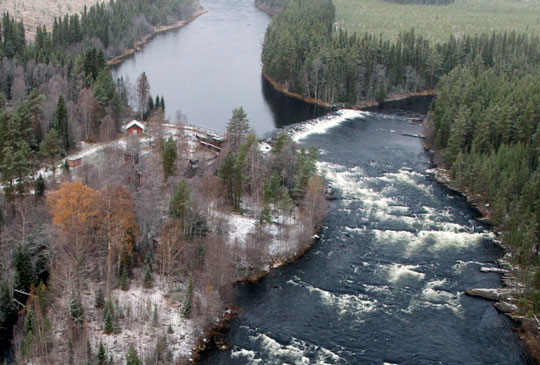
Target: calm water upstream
213, 65
386, 282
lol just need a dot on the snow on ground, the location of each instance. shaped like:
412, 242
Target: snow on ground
285, 238
321, 125
139, 326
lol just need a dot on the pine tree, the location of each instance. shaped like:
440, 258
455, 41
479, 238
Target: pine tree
180, 202
143, 91
285, 204
265, 216
282, 140
24, 272
132, 357
101, 355
39, 190
169, 157
109, 319
35, 108
237, 128
225, 173
186, 306
148, 278
124, 279
76, 310
61, 124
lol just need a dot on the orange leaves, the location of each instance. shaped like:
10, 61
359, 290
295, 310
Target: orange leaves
117, 215
110, 211
74, 204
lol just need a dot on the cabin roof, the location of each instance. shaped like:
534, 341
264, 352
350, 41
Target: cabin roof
136, 124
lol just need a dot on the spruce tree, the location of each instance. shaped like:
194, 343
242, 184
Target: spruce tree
132, 358
147, 281
237, 128
188, 299
282, 140
180, 202
124, 279
61, 123
225, 173
109, 320
24, 272
285, 204
102, 354
75, 310
169, 157
39, 190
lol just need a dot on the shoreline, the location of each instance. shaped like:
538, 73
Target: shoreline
139, 45
361, 105
265, 9
506, 297
201, 345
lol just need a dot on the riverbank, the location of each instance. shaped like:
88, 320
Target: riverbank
213, 334
361, 105
267, 9
506, 298
157, 30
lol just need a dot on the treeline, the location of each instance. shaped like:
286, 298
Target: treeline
304, 54
485, 128
55, 93
113, 27
423, 2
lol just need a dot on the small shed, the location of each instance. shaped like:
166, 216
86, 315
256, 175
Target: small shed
74, 162
135, 127
131, 158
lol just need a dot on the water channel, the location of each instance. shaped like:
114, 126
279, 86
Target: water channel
385, 284
212, 65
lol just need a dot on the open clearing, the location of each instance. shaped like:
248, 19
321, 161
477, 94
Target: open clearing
438, 22
38, 12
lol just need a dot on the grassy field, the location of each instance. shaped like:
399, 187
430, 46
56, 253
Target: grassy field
38, 12
438, 22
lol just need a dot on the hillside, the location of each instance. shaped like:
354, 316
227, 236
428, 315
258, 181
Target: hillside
37, 12
436, 23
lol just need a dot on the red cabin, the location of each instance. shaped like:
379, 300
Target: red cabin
75, 162
135, 127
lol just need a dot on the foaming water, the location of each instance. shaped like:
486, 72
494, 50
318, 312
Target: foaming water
386, 282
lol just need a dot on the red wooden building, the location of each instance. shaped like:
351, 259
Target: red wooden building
135, 127
74, 162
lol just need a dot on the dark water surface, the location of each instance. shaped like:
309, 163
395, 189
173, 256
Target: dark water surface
212, 65
386, 282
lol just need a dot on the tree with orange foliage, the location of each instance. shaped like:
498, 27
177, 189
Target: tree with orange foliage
118, 227
73, 204
75, 209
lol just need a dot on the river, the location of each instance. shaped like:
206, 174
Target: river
212, 65
385, 284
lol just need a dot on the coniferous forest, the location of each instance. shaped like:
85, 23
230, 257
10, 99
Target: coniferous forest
78, 247
483, 125
306, 55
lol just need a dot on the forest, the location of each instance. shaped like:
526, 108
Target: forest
484, 128
483, 125
136, 243
306, 55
